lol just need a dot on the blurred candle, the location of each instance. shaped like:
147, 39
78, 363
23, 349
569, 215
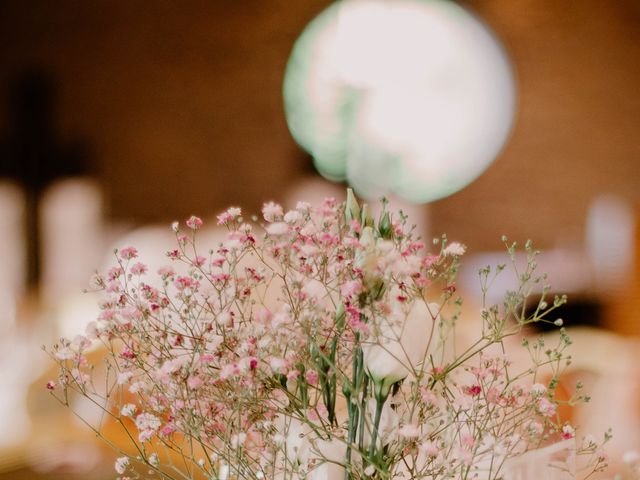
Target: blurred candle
610, 242
12, 253
72, 235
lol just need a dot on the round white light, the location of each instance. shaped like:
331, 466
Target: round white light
414, 97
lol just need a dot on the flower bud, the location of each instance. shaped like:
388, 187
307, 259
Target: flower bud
352, 209
367, 257
384, 227
367, 219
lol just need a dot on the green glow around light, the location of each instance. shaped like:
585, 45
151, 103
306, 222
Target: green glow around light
414, 97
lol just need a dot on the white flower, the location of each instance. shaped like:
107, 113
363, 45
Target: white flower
589, 441
292, 216
303, 207
153, 459
65, 353
330, 455
234, 212
296, 439
454, 248
538, 389
124, 377
271, 211
277, 228
400, 344
128, 410
121, 464
223, 473
367, 257
147, 421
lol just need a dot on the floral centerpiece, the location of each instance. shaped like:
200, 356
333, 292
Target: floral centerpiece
316, 343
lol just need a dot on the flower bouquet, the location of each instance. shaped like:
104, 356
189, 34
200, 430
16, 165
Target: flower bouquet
317, 343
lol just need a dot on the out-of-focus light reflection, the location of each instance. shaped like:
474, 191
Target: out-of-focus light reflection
414, 97
72, 235
610, 242
12, 270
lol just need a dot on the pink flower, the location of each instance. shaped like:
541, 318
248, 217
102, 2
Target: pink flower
114, 273
428, 397
472, 390
351, 288
224, 218
51, 385
253, 363
199, 261
278, 365
182, 283
312, 377
194, 223
546, 407
128, 253
229, 215
127, 353
194, 382
139, 269
166, 272
568, 432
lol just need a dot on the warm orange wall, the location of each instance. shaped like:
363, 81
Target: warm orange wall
181, 104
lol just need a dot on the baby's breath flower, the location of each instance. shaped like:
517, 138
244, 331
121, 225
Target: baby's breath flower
309, 350
121, 465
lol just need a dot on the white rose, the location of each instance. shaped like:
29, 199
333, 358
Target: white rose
399, 343
331, 455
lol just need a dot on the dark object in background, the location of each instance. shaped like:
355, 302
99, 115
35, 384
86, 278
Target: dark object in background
577, 312
32, 155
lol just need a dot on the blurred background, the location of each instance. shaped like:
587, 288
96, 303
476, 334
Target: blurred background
117, 118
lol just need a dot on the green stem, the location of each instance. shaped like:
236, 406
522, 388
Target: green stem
381, 397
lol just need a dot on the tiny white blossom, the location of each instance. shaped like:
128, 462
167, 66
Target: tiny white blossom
292, 216
147, 421
128, 410
121, 464
538, 389
271, 211
278, 228
124, 377
455, 248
